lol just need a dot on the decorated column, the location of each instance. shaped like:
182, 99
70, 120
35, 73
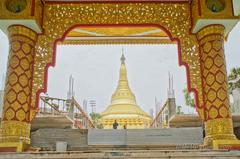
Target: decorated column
218, 118
15, 123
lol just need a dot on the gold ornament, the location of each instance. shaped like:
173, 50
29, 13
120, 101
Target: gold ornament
15, 123
15, 131
218, 129
174, 17
218, 119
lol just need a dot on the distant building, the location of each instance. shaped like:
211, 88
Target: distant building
236, 101
236, 95
1, 102
85, 104
167, 110
151, 112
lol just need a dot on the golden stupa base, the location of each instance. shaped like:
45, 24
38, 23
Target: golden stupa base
226, 144
13, 146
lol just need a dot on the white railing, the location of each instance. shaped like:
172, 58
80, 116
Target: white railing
161, 120
61, 107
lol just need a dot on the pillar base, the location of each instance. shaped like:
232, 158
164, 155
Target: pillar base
13, 146
226, 144
208, 140
218, 129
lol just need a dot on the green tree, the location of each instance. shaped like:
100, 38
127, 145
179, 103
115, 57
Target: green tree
179, 109
96, 118
233, 81
189, 100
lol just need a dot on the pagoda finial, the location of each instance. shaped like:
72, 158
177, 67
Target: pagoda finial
123, 57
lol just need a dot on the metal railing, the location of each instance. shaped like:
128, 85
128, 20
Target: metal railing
161, 119
69, 108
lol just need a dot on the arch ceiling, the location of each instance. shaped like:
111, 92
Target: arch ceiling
78, 34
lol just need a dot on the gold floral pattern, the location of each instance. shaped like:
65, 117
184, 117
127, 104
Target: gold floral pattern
174, 17
218, 124
17, 95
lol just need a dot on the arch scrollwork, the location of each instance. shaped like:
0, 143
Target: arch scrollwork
174, 17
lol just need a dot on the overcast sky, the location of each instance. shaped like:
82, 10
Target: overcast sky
95, 69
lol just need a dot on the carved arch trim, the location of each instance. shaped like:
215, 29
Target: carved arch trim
173, 18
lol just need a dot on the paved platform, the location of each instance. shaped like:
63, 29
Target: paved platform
127, 154
51, 121
193, 120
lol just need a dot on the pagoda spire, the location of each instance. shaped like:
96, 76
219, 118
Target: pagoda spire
123, 58
123, 92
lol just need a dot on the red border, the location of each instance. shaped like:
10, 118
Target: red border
181, 63
33, 8
8, 149
199, 8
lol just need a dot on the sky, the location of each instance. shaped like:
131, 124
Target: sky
95, 69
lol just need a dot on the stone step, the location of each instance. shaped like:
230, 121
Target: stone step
176, 154
167, 136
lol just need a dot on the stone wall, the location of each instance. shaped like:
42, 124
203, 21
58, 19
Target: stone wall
46, 138
83, 139
164, 136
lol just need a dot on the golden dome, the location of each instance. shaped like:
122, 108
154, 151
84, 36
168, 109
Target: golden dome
123, 107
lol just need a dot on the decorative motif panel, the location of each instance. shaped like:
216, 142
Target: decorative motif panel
218, 123
214, 74
18, 88
19, 76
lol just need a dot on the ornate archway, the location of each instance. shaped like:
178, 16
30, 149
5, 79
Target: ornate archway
54, 30
201, 53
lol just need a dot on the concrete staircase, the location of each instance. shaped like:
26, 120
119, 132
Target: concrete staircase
46, 138
77, 140
78, 147
127, 154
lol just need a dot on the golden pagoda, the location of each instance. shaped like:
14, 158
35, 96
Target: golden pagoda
123, 107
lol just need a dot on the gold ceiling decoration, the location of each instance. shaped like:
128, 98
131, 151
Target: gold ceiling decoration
117, 31
116, 35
